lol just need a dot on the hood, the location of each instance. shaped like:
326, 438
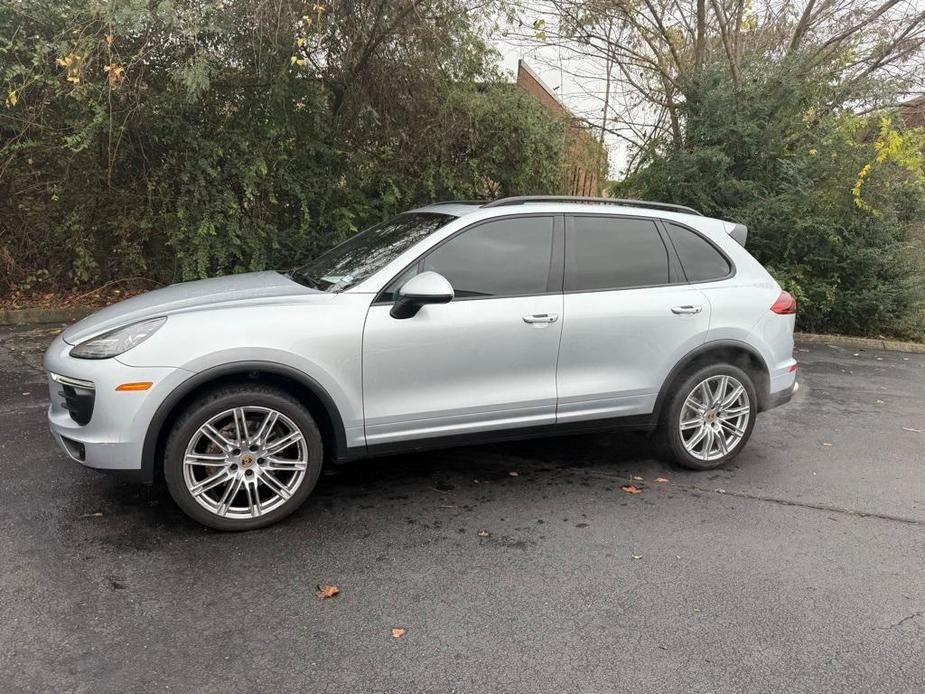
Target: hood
251, 286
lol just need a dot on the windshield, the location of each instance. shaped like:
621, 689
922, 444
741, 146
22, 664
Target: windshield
368, 252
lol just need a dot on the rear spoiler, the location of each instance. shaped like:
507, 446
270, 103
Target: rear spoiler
737, 231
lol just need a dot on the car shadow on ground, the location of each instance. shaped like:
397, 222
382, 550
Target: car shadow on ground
408, 482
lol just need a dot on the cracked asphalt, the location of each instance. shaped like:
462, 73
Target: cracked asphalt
800, 568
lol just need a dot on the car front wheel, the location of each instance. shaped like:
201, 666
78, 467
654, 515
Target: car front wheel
243, 457
710, 417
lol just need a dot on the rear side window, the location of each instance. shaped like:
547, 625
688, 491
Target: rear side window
700, 260
614, 253
507, 257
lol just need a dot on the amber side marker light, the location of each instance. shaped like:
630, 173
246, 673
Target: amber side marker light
141, 385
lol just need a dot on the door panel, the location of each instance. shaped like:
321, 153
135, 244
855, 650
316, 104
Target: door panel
461, 367
487, 359
618, 347
628, 317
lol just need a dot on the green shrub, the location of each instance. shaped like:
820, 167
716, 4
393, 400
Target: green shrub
833, 201
176, 140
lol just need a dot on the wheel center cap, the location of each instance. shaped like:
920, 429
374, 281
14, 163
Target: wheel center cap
247, 460
711, 416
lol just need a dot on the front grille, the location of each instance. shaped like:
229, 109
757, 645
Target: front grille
77, 397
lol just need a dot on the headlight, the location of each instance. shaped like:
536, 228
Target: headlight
117, 341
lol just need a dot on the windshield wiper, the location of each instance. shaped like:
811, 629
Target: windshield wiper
302, 278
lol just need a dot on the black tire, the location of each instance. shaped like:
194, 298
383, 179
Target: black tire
670, 426
216, 402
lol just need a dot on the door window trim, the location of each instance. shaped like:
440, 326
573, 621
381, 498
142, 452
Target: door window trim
555, 276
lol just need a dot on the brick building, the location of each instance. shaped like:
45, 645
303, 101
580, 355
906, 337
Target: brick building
584, 158
913, 112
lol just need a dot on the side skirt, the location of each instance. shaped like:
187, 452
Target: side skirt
636, 422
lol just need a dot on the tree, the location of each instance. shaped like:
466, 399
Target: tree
180, 139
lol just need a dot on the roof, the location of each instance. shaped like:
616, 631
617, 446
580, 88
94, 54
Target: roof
459, 208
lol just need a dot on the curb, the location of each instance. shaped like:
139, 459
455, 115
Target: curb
861, 342
27, 316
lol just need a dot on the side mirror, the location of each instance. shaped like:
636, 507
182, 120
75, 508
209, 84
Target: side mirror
426, 288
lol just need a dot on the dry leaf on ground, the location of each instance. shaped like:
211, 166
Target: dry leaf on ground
662, 479
631, 489
326, 591
513, 474
637, 556
484, 533
397, 632
637, 478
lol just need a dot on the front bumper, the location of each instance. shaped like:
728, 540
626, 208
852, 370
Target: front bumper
113, 437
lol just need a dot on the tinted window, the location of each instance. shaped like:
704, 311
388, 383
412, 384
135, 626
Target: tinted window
612, 253
508, 257
701, 261
503, 258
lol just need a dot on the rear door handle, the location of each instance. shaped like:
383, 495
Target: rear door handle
679, 310
541, 318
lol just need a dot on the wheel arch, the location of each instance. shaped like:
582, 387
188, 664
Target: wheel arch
299, 384
733, 352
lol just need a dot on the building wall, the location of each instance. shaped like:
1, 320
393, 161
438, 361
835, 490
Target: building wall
913, 112
584, 157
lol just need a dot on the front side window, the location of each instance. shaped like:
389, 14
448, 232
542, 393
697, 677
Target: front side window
614, 253
700, 260
506, 257
368, 252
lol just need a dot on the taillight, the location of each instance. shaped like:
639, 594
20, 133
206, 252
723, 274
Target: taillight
785, 304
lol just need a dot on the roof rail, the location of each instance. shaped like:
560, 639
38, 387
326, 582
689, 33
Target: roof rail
480, 203
521, 199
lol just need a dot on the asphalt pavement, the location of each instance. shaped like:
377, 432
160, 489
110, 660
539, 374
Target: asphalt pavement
521, 567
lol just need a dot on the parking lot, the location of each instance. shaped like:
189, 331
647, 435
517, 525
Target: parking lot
521, 567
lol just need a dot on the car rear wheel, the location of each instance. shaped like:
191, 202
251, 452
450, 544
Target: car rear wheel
243, 457
710, 416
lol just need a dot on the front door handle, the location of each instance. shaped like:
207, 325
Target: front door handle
680, 310
541, 318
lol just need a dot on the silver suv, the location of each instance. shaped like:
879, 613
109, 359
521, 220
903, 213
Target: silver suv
454, 323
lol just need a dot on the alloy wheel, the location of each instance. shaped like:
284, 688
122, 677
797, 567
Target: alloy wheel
714, 417
245, 462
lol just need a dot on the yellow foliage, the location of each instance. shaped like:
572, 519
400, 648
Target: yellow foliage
72, 63
12, 99
890, 146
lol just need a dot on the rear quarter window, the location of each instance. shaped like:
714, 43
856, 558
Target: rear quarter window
701, 260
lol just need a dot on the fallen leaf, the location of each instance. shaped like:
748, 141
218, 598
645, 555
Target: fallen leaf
397, 632
326, 591
662, 479
513, 474
484, 533
637, 556
631, 489
637, 478
917, 431
879, 402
